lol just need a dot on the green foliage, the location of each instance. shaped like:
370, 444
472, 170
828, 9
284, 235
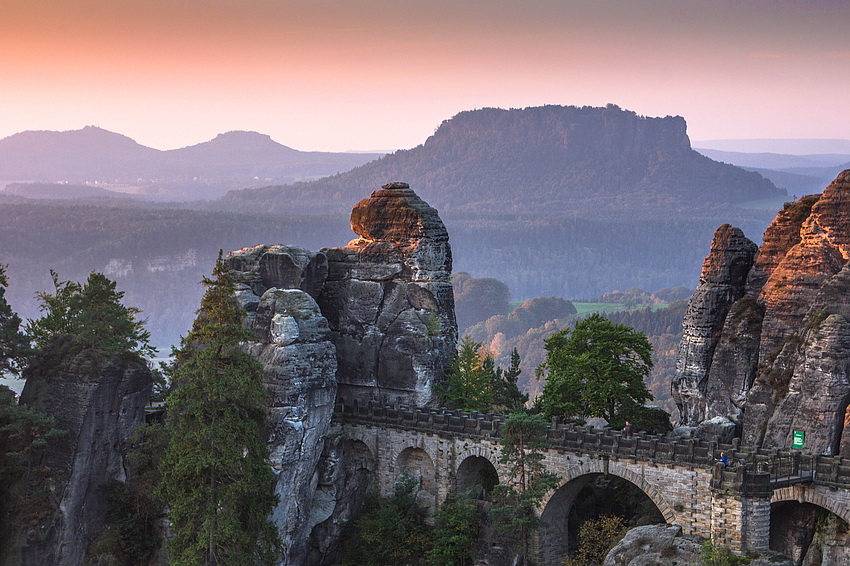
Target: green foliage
473, 382
595, 538
596, 370
392, 530
14, 345
216, 478
523, 439
455, 536
133, 510
24, 433
715, 555
93, 313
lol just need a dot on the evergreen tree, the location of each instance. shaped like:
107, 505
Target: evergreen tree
456, 526
216, 477
597, 370
515, 502
93, 313
474, 382
392, 530
14, 345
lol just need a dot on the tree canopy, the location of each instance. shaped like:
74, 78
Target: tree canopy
93, 313
216, 477
474, 382
14, 345
596, 370
515, 502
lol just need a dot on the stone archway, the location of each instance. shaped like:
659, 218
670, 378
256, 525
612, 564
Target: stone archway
416, 463
809, 526
584, 497
476, 477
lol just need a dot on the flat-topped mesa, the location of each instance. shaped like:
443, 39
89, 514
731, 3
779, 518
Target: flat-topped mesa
388, 299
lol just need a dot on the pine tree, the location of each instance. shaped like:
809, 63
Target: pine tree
93, 313
216, 477
14, 345
523, 441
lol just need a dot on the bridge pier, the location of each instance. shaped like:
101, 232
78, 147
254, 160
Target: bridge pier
739, 522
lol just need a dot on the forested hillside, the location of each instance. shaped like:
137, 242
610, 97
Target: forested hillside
157, 257
540, 160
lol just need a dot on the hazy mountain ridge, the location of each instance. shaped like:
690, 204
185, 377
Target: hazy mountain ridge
205, 170
543, 159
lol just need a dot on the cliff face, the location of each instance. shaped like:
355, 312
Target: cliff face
292, 340
374, 319
774, 357
99, 400
389, 301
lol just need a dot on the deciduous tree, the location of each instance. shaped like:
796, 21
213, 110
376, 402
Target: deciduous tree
596, 370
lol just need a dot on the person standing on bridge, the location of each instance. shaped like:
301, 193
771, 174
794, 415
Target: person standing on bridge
724, 459
627, 430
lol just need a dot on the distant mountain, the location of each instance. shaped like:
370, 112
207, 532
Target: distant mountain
206, 170
772, 145
535, 160
797, 174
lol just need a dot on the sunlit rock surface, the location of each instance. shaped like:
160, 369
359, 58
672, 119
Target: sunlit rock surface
388, 299
777, 358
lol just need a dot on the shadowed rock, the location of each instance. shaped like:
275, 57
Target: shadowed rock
99, 399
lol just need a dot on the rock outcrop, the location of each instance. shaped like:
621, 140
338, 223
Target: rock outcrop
665, 545
99, 400
373, 319
273, 284
721, 284
772, 356
388, 299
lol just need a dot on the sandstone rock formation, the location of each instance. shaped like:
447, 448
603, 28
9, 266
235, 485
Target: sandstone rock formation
375, 319
388, 299
773, 355
99, 400
664, 545
293, 343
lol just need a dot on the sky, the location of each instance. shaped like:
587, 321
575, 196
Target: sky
341, 75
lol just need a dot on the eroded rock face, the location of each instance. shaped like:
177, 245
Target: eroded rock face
388, 299
777, 357
99, 399
293, 343
722, 282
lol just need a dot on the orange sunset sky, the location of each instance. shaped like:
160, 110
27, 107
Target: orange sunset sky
338, 75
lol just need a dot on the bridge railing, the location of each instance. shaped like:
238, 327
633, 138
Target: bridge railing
749, 469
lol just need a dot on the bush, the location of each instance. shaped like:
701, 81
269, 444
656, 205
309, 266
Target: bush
595, 538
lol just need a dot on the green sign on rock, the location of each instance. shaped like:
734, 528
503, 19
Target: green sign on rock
799, 439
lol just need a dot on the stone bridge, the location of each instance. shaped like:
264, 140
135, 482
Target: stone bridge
452, 450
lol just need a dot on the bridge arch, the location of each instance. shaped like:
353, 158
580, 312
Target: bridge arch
813, 496
587, 490
417, 463
476, 472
